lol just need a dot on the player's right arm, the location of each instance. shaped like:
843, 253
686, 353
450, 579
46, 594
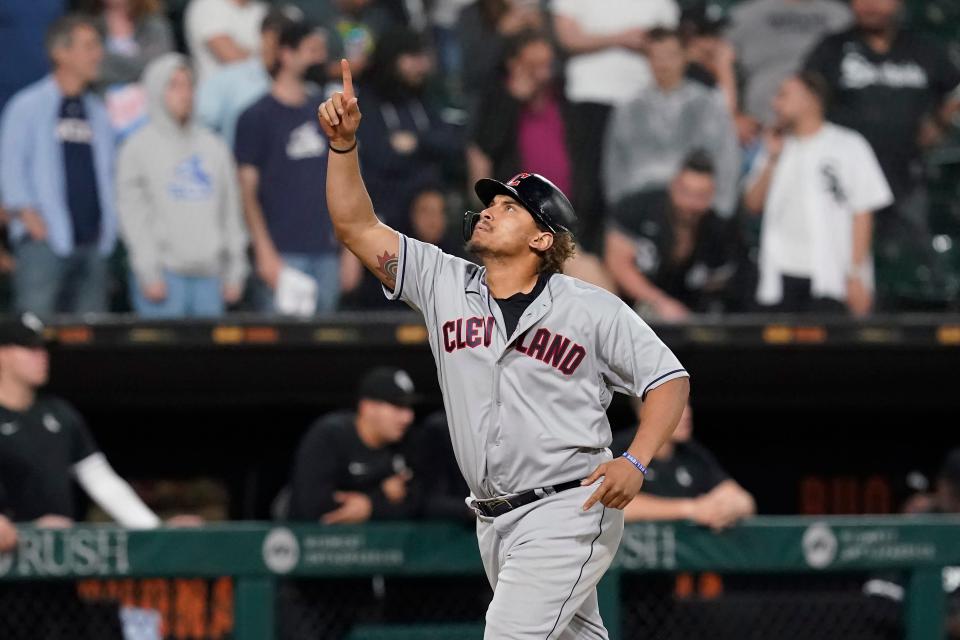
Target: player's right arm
358, 229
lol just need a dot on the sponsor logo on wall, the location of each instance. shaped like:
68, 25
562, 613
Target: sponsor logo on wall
819, 545
824, 547
281, 551
80, 552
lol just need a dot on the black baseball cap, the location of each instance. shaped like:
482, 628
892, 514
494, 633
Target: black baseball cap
388, 384
24, 330
703, 19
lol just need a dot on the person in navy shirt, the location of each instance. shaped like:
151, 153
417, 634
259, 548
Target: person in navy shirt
282, 158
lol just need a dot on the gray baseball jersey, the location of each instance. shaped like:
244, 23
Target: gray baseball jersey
528, 410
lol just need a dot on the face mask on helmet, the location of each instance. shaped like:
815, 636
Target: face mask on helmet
470, 220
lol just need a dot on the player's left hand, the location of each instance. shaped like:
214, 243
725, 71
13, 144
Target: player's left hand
621, 483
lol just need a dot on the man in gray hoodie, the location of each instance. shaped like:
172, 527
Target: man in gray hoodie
179, 205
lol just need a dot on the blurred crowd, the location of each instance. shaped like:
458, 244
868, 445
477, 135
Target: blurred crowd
762, 156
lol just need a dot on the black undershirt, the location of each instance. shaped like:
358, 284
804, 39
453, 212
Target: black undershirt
514, 306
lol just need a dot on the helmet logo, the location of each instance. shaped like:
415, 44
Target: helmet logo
515, 180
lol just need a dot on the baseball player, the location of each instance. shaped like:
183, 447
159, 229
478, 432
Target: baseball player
527, 360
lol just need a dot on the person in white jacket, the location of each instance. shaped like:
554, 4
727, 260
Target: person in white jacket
817, 185
179, 205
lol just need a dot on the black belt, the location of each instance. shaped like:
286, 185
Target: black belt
493, 507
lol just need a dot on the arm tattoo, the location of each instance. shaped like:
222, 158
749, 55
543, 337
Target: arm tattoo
388, 265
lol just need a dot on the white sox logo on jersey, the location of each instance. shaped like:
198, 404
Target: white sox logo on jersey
553, 349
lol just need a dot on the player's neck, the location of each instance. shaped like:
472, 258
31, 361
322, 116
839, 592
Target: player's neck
16, 396
508, 277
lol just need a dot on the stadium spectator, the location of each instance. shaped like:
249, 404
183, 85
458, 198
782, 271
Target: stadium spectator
179, 205
56, 179
443, 17
230, 90
427, 222
354, 30
686, 482
350, 468
897, 88
8, 534
314, 11
520, 124
483, 28
772, 38
134, 32
404, 141
668, 251
817, 185
650, 135
710, 57
605, 42
219, 32
282, 162
45, 443
22, 31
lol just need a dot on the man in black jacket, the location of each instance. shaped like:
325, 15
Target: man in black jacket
349, 468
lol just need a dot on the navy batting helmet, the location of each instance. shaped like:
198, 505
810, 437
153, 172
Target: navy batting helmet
545, 202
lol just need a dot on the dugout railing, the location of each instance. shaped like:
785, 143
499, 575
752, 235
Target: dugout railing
262, 557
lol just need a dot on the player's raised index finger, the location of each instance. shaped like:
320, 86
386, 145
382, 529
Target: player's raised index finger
347, 78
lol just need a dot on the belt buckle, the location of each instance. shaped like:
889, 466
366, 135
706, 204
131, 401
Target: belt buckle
490, 505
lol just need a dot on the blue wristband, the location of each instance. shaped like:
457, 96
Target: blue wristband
639, 465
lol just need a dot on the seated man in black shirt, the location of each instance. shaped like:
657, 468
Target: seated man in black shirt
349, 468
45, 443
685, 482
667, 250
